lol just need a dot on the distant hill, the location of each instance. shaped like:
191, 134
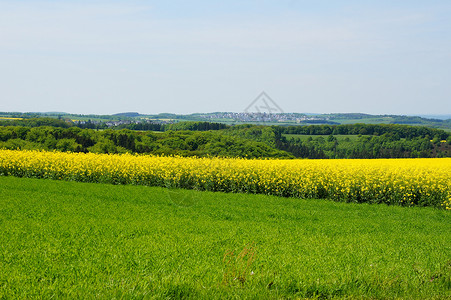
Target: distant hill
440, 117
128, 114
236, 118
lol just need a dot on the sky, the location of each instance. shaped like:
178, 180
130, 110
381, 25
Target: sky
316, 56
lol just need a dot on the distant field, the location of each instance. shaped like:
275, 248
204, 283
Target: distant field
10, 118
385, 120
83, 240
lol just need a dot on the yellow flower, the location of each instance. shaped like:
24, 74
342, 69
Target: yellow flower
391, 181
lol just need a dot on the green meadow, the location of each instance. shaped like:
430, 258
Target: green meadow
82, 240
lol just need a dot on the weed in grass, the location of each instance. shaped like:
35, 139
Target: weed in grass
237, 266
443, 274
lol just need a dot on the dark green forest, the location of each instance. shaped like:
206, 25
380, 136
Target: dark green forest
217, 139
183, 142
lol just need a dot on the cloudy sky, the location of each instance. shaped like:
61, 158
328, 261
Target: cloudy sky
104, 57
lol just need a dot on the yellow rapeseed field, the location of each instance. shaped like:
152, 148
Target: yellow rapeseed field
10, 118
409, 182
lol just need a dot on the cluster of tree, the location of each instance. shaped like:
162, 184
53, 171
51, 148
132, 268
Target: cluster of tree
379, 141
184, 143
402, 131
154, 126
259, 133
36, 122
215, 139
385, 146
195, 126
140, 126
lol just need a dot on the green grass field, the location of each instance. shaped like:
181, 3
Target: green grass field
374, 120
79, 240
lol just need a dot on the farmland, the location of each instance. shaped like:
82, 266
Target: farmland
69, 239
135, 225
225, 150
405, 182
285, 119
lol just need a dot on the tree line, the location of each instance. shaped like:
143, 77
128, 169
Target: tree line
385, 146
135, 125
216, 139
183, 142
402, 131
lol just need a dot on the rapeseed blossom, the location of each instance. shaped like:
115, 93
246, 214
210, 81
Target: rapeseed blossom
407, 182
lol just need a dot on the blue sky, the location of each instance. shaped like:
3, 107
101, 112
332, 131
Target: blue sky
103, 57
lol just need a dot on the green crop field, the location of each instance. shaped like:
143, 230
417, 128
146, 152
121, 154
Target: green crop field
83, 240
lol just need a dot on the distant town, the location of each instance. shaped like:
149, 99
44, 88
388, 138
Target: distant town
231, 118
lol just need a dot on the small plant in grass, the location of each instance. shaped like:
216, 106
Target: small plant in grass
443, 274
237, 266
